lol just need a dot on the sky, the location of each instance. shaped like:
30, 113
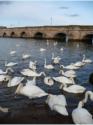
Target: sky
45, 12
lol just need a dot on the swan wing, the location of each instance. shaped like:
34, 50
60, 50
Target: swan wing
53, 100
15, 81
28, 72
11, 64
63, 79
61, 109
33, 91
62, 100
72, 72
75, 89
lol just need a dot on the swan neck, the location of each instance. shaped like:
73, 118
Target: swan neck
52, 55
7, 69
62, 72
45, 62
73, 80
42, 73
83, 57
81, 104
86, 96
5, 63
64, 86
19, 88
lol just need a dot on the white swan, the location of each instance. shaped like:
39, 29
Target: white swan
32, 65
47, 42
81, 115
17, 45
76, 89
86, 60
71, 66
48, 66
42, 49
31, 91
55, 43
12, 52
10, 64
64, 80
29, 72
79, 64
61, 49
25, 56
57, 103
49, 81
14, 81
69, 73
56, 60
5, 110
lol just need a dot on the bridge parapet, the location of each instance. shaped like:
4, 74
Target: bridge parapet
73, 32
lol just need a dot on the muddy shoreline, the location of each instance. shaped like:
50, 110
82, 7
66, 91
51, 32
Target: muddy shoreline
35, 115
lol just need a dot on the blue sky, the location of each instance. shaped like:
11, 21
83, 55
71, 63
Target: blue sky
45, 12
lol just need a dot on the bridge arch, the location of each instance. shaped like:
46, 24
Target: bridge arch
12, 34
39, 35
60, 36
23, 34
4, 34
88, 38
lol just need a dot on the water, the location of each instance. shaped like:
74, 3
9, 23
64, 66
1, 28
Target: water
24, 110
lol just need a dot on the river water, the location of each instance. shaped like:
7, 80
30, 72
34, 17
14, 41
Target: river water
24, 110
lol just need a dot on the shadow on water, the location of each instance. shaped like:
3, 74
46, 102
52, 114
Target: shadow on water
24, 110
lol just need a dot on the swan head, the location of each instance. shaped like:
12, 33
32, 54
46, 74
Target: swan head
9, 70
81, 104
61, 66
90, 95
7, 78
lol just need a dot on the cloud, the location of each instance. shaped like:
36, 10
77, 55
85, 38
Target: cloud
72, 15
64, 8
5, 2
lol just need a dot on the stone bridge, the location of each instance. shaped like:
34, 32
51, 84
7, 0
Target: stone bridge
70, 32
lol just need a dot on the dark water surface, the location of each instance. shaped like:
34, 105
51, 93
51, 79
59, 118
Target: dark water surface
24, 110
